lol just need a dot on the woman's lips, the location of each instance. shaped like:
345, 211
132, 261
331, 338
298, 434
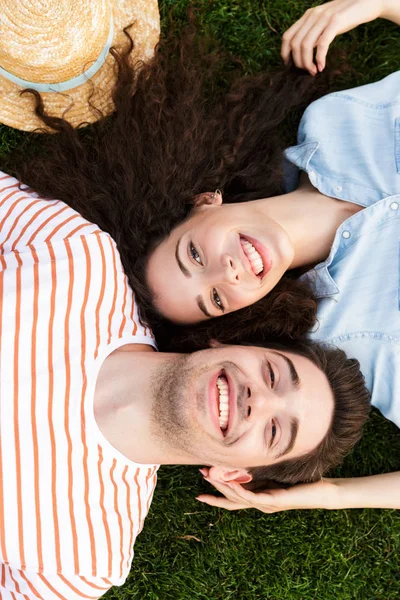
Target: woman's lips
262, 251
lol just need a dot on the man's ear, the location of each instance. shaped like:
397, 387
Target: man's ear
208, 199
222, 475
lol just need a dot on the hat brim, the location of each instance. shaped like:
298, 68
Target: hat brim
80, 104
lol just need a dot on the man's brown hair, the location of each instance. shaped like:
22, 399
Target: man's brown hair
351, 410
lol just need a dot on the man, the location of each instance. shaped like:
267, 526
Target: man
88, 410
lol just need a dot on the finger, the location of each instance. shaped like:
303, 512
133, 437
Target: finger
232, 491
288, 36
249, 496
297, 42
225, 489
310, 41
204, 471
220, 502
323, 44
263, 501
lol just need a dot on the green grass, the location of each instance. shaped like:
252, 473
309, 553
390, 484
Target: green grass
190, 551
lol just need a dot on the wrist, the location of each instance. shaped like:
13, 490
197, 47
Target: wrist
331, 494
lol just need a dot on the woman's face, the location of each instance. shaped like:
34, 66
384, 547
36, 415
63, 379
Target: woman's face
222, 258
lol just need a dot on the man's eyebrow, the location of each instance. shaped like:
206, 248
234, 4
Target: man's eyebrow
294, 428
202, 306
292, 369
180, 263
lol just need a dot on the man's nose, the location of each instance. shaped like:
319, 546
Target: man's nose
261, 402
231, 269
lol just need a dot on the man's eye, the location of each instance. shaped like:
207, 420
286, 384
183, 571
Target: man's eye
271, 375
195, 255
273, 431
217, 300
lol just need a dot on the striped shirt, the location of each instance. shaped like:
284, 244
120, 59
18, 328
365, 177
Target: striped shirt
71, 505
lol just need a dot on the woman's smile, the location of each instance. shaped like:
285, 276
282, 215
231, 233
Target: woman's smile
257, 255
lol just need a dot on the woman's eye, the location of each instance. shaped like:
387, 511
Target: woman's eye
195, 255
217, 300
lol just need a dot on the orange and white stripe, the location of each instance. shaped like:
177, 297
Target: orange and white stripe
71, 505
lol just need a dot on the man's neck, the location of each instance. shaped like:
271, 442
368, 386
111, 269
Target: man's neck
123, 404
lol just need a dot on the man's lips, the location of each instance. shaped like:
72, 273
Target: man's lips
263, 252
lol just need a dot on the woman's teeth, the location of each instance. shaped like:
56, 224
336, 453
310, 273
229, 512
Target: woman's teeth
223, 391
254, 257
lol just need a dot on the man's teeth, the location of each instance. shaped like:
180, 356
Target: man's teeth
223, 391
254, 257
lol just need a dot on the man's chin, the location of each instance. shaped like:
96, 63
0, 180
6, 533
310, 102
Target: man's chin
168, 415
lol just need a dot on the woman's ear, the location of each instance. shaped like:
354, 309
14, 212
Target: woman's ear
208, 199
222, 475
213, 343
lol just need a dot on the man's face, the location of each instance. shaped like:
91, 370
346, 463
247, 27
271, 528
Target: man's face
238, 406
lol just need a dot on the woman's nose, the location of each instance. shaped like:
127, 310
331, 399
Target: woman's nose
231, 269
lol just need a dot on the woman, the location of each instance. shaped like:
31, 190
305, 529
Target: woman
357, 283
280, 230
242, 155
358, 288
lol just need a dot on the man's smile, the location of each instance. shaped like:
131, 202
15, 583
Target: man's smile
222, 402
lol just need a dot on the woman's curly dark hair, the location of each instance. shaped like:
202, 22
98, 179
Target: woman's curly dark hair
186, 122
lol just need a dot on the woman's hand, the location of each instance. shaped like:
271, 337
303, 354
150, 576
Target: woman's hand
375, 491
319, 26
303, 496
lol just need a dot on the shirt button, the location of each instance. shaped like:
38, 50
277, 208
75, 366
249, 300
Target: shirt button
394, 206
338, 188
346, 234
312, 176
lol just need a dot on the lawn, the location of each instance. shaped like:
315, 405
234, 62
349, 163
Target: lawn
190, 551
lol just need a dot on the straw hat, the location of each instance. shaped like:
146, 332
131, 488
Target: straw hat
61, 49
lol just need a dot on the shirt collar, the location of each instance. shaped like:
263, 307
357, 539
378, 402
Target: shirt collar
297, 158
321, 281
320, 278
304, 157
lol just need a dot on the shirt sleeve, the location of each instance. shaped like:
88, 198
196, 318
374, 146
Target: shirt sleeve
27, 585
27, 220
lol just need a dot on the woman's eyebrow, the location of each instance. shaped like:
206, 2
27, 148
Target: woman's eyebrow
187, 273
182, 267
202, 306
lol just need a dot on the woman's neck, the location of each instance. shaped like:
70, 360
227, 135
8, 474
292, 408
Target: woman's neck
311, 220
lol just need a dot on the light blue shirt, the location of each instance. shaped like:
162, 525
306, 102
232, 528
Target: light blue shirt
349, 144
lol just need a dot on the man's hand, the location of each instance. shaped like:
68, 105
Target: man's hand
319, 26
312, 495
